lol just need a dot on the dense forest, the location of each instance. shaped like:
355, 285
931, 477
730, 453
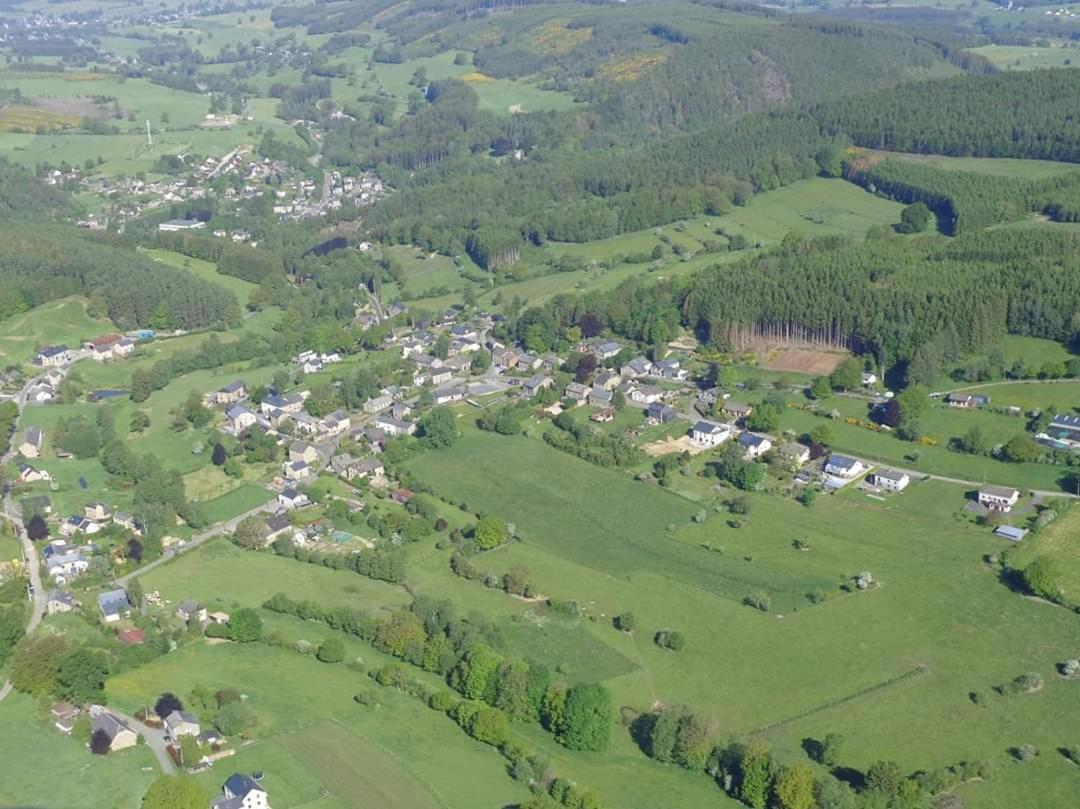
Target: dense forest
23, 197
39, 263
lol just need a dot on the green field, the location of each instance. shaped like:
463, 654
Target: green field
205, 270
243, 498
997, 166
27, 740
221, 573
1027, 57
61, 322
1061, 542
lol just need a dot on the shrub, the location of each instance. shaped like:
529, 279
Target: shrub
759, 600
444, 701
625, 622
332, 650
1025, 752
217, 631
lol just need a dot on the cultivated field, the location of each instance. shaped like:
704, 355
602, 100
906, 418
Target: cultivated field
801, 361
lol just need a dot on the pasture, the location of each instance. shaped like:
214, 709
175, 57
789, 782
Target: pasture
27, 739
63, 321
1028, 57
205, 270
996, 166
1061, 542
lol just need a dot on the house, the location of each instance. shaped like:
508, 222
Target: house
638, 366
53, 356
754, 446
291, 498
376, 404
339, 464
218, 618
576, 391
401, 410
447, 395
662, 413
998, 498
63, 716
337, 422
890, 480
606, 349
65, 566
291, 404
27, 474
966, 400
175, 225
240, 418
736, 410
60, 602
128, 521
367, 468
301, 451
709, 433
188, 611
131, 636
77, 525
297, 471
528, 362
277, 525
797, 454
503, 357
99, 512
124, 347
646, 395
241, 792
606, 379
1010, 533
533, 385
670, 369
603, 416
181, 723
103, 348
844, 467
232, 393
114, 605
307, 424
116, 730
209, 737
393, 426
600, 397
868, 379
30, 445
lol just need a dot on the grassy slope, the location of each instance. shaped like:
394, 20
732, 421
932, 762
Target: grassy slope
63, 321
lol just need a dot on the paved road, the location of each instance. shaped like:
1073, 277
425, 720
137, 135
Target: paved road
12, 515
915, 473
155, 740
199, 539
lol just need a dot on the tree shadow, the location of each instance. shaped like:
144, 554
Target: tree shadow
814, 748
856, 779
1014, 580
641, 731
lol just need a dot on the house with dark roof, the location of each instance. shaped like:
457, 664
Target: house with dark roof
30, 445
240, 418
241, 792
291, 498
114, 605
754, 446
52, 356
120, 736
662, 413
842, 466
181, 723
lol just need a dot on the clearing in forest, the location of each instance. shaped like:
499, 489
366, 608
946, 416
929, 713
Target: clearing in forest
802, 361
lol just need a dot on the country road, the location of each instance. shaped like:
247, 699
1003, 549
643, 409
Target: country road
155, 740
199, 539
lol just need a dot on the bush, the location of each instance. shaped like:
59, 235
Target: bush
332, 650
1025, 752
217, 631
444, 701
759, 600
625, 622
670, 639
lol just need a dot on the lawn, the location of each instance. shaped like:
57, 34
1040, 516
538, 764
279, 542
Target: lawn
220, 573
243, 498
1061, 542
89, 782
1027, 57
60, 322
1063, 396
206, 270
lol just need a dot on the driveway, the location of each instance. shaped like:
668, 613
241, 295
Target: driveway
155, 740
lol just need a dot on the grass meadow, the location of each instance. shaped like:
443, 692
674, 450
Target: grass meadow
64, 321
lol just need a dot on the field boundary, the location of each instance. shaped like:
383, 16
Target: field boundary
907, 675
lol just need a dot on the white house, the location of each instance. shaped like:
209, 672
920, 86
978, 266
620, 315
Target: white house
394, 426
181, 723
709, 433
998, 498
890, 480
646, 394
52, 356
376, 404
240, 418
241, 792
844, 467
291, 498
754, 446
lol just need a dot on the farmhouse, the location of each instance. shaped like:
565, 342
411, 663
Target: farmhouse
646, 395
114, 605
844, 467
670, 369
241, 792
30, 445
103, 348
368, 468
600, 397
709, 433
754, 446
291, 498
53, 356
301, 451
240, 418
377, 404
116, 730
28, 474
798, 454
662, 413
576, 391
393, 426
232, 393
337, 422
99, 512
533, 385
63, 567
890, 480
181, 723
638, 366
188, 611
998, 498
59, 602
736, 410
966, 400
453, 394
